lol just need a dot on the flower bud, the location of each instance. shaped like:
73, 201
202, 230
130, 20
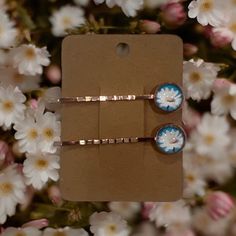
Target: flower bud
53, 73
173, 14
219, 205
149, 27
190, 49
39, 224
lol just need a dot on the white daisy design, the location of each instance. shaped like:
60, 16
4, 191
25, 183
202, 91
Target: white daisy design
28, 231
64, 232
108, 223
28, 134
68, 17
39, 168
169, 97
11, 105
224, 101
211, 136
170, 139
198, 78
26, 83
207, 12
12, 189
168, 213
126, 209
7, 31
29, 60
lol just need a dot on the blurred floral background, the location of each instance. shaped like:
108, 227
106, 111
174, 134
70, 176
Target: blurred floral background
31, 32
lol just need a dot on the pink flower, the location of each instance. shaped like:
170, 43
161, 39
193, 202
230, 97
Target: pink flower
147, 206
191, 118
219, 205
220, 38
173, 14
149, 27
33, 103
39, 224
220, 84
4, 150
55, 194
190, 49
54, 74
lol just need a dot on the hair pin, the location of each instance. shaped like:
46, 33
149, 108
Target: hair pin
168, 97
169, 139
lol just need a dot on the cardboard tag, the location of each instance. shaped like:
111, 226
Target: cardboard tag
91, 65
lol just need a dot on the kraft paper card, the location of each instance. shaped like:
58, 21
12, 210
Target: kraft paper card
94, 65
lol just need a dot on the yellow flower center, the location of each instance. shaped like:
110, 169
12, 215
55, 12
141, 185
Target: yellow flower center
190, 178
30, 53
111, 229
20, 234
8, 106
66, 21
207, 5
59, 233
33, 134
167, 207
48, 133
209, 139
5, 188
233, 28
228, 99
195, 77
41, 164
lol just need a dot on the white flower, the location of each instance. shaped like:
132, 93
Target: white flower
211, 136
205, 225
50, 129
10, 76
29, 59
170, 213
12, 190
64, 232
207, 12
229, 28
7, 32
39, 168
126, 209
28, 231
193, 184
129, 7
224, 101
28, 134
11, 105
198, 78
68, 17
110, 3
38, 131
105, 223
82, 2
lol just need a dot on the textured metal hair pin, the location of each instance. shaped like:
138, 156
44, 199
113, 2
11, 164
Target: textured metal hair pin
168, 97
169, 139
